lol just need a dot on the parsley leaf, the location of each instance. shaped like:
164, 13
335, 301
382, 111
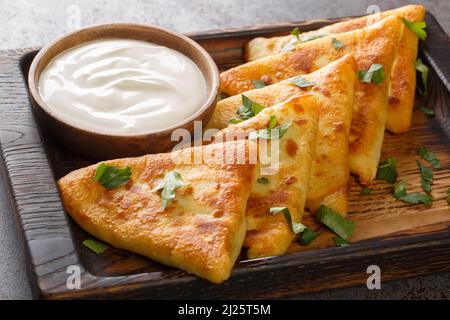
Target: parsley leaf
302, 82
375, 74
248, 110
400, 193
171, 182
430, 157
417, 197
296, 33
400, 189
258, 84
339, 242
112, 177
269, 134
424, 71
263, 180
365, 191
387, 170
296, 227
272, 122
341, 226
426, 176
427, 111
417, 28
307, 236
95, 246
337, 44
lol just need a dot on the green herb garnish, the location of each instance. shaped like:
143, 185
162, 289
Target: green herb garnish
341, 226
307, 236
430, 157
387, 170
221, 96
365, 191
95, 246
417, 28
112, 177
427, 111
296, 227
400, 189
270, 133
272, 122
337, 44
424, 71
171, 182
400, 193
263, 180
375, 74
296, 33
258, 84
248, 110
426, 177
301, 82
339, 242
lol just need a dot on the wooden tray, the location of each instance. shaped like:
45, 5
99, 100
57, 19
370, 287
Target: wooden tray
404, 240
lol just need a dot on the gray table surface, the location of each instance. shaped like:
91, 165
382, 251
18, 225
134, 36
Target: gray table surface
27, 23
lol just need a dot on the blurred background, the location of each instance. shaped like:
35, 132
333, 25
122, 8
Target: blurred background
33, 23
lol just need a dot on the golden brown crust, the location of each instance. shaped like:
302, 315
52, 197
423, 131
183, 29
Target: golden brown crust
201, 232
334, 89
375, 44
403, 75
270, 235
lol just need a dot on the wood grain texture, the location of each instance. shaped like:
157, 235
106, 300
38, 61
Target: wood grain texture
403, 240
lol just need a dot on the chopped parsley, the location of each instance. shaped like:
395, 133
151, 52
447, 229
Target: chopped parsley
307, 237
270, 133
302, 82
112, 177
248, 110
258, 84
400, 193
338, 224
427, 111
171, 182
95, 246
424, 71
374, 74
296, 227
426, 177
339, 242
387, 170
337, 44
263, 180
429, 157
417, 28
365, 191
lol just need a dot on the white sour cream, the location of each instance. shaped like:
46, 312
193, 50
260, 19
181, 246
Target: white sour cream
122, 86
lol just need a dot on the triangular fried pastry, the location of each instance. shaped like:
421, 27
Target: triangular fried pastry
403, 74
201, 231
333, 87
376, 44
284, 183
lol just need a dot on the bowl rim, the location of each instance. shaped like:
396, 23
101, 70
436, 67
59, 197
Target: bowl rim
209, 102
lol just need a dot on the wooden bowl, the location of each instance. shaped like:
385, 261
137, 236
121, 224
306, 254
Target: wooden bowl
104, 146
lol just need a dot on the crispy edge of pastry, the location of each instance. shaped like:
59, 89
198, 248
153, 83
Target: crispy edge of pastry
210, 257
